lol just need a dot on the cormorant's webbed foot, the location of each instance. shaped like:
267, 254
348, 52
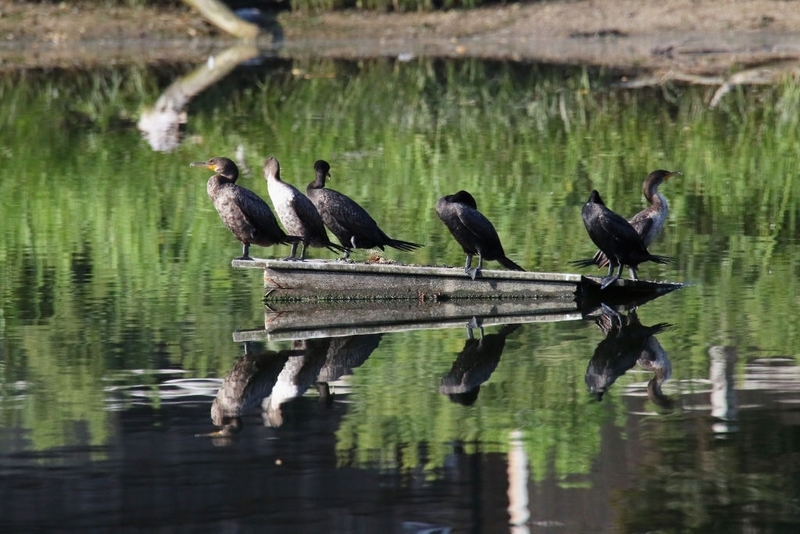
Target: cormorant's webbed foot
608, 280
467, 263
473, 272
245, 258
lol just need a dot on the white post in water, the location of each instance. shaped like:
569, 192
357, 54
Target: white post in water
518, 511
723, 389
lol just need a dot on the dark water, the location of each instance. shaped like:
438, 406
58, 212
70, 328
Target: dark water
122, 318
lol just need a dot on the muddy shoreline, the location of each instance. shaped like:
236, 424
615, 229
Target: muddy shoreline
704, 41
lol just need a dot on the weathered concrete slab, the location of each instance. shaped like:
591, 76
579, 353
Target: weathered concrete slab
338, 280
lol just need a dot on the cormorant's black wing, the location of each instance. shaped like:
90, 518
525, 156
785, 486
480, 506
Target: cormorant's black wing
352, 216
476, 223
255, 210
308, 214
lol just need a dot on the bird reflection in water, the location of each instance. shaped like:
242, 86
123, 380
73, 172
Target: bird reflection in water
270, 378
475, 363
251, 380
628, 342
324, 360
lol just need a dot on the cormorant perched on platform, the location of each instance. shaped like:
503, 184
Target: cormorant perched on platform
473, 231
616, 238
648, 222
245, 214
346, 219
296, 212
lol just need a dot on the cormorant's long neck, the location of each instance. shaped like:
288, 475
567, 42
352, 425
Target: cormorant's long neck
654, 198
319, 182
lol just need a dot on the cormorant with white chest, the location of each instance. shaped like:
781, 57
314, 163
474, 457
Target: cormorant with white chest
296, 212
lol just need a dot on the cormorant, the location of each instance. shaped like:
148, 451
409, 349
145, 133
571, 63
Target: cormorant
296, 212
346, 219
648, 222
473, 231
245, 214
616, 238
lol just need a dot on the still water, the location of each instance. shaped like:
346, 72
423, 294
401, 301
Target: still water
122, 320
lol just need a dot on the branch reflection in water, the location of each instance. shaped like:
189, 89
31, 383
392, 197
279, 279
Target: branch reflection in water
628, 342
475, 363
270, 378
162, 123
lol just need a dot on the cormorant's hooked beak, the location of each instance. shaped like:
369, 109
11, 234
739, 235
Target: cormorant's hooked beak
203, 164
673, 173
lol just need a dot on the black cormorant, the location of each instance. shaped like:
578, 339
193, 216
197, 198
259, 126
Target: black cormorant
296, 212
648, 222
245, 214
473, 231
346, 219
616, 238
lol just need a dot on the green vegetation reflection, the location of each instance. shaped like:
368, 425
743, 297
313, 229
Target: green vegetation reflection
114, 259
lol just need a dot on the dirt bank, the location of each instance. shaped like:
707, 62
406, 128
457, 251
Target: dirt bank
668, 38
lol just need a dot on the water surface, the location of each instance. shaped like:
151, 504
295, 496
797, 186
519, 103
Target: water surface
119, 306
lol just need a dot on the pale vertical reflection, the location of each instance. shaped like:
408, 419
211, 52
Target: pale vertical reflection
723, 389
517, 485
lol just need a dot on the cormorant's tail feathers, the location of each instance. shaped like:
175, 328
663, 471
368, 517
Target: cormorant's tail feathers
660, 259
508, 264
403, 245
599, 259
333, 247
586, 262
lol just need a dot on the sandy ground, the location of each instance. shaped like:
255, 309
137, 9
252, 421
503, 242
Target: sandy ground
683, 39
